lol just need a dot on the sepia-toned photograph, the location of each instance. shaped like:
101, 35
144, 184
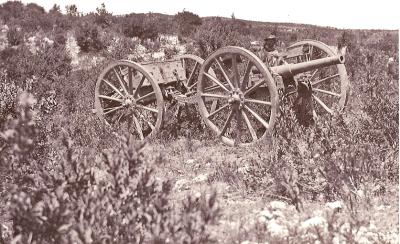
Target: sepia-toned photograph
191, 122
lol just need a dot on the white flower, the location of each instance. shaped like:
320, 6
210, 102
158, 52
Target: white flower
278, 214
26, 99
190, 161
314, 222
181, 184
277, 230
275, 205
345, 228
197, 195
334, 205
266, 213
200, 178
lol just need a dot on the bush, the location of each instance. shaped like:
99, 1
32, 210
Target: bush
187, 22
48, 64
217, 33
15, 36
88, 37
102, 16
119, 47
140, 26
11, 9
117, 200
19, 138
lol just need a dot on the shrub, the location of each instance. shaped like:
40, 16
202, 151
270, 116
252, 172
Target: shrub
88, 37
117, 201
15, 36
140, 26
170, 52
217, 33
11, 9
19, 138
119, 47
47, 65
8, 93
102, 16
187, 22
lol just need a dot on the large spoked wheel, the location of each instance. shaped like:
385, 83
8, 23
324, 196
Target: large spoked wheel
328, 86
237, 96
128, 99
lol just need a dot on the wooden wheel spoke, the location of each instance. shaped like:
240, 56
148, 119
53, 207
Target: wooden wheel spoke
311, 52
253, 88
246, 75
183, 64
211, 88
147, 121
113, 87
120, 117
146, 96
147, 108
120, 81
257, 116
214, 106
324, 79
227, 122
139, 86
111, 98
312, 76
327, 109
257, 101
130, 82
112, 110
238, 133
192, 73
249, 126
235, 71
224, 72
214, 95
138, 127
217, 110
150, 125
192, 86
326, 92
216, 81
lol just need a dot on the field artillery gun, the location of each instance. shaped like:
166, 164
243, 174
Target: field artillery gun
236, 93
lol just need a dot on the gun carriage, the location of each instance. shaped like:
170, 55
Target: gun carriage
236, 93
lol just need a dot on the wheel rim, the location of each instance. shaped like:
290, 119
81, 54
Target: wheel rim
239, 106
191, 64
329, 85
128, 99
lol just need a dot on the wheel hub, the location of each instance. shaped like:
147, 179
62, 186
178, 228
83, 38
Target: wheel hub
129, 101
236, 97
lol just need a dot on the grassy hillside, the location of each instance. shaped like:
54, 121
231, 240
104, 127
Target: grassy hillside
66, 177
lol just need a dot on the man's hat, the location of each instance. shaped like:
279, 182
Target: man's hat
270, 37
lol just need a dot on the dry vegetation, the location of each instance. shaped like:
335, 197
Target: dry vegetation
68, 178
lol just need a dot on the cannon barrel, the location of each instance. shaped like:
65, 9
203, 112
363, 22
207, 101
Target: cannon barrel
294, 69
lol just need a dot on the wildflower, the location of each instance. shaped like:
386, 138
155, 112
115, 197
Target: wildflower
334, 205
274, 205
314, 222
277, 230
26, 99
200, 178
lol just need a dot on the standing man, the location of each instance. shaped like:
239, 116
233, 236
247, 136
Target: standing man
269, 55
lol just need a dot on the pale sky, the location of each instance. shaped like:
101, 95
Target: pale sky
378, 14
